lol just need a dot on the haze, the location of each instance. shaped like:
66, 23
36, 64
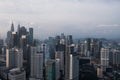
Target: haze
81, 18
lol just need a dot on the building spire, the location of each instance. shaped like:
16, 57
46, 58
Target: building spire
12, 27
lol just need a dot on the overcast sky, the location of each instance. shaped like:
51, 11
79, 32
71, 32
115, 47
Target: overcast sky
81, 18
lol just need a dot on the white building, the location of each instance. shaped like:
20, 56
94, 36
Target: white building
17, 74
104, 55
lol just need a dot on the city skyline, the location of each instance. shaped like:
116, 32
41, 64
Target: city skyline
61, 57
48, 18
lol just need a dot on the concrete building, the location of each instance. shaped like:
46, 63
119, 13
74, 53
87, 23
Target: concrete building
60, 55
14, 58
115, 57
104, 58
17, 74
36, 64
74, 67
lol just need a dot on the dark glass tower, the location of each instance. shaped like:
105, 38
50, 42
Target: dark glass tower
12, 27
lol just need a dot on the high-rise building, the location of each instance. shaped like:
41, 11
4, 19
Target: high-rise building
8, 39
30, 35
23, 41
18, 29
12, 27
50, 70
22, 31
115, 57
36, 64
51, 44
95, 47
23, 46
14, 39
14, 58
17, 74
57, 69
68, 51
69, 40
60, 55
1, 45
87, 47
57, 40
104, 58
74, 67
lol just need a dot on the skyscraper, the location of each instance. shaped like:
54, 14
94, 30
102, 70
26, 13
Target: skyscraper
14, 58
87, 47
52, 69
12, 27
69, 42
30, 35
105, 58
14, 39
74, 67
60, 55
36, 64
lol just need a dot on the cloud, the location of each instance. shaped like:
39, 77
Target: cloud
110, 25
55, 16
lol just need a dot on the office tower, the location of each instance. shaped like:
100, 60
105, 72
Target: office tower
18, 34
19, 58
30, 35
14, 58
57, 40
62, 39
8, 39
12, 27
78, 48
105, 58
60, 55
115, 57
44, 72
52, 69
59, 47
82, 49
51, 44
23, 46
23, 41
22, 31
87, 47
17, 74
87, 72
57, 69
1, 45
18, 29
36, 64
62, 36
95, 47
74, 67
69, 42
14, 39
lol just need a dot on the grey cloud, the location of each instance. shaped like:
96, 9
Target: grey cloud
55, 16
